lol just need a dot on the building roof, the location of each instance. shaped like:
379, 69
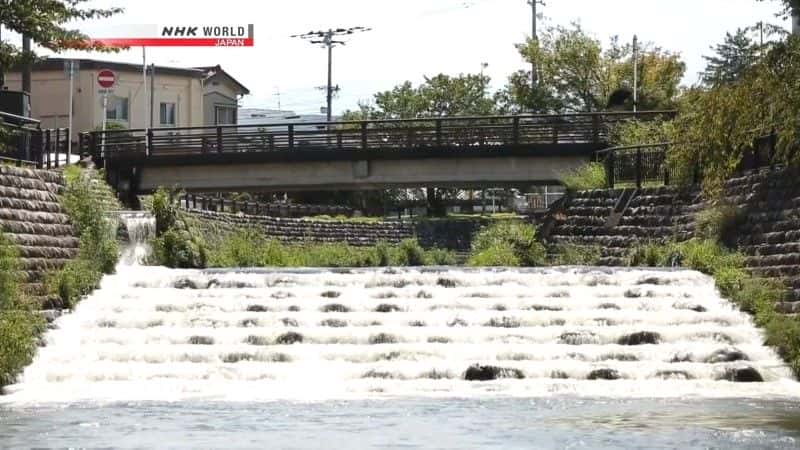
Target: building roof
58, 64
211, 71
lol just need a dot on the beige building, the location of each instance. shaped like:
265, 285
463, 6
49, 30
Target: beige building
177, 99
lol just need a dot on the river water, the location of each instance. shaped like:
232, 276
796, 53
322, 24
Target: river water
312, 358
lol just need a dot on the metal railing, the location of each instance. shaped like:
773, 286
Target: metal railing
24, 142
638, 165
438, 132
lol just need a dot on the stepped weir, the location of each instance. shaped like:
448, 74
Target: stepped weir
152, 333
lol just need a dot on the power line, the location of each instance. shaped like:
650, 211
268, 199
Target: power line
327, 40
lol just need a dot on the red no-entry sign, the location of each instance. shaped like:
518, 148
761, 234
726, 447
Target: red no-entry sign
106, 78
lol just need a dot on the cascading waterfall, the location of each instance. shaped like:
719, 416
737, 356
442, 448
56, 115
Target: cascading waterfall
141, 227
152, 333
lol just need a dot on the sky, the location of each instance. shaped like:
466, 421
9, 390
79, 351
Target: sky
412, 38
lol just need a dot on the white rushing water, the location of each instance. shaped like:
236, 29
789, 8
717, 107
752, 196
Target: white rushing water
141, 228
152, 333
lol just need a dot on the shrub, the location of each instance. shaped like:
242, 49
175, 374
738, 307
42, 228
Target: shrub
492, 244
10, 292
164, 210
411, 253
501, 255
75, 280
586, 177
19, 326
575, 255
441, 257
719, 224
179, 249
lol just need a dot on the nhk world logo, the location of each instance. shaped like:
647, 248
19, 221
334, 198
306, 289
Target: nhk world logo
176, 35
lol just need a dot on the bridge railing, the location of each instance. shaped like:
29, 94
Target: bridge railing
437, 132
638, 164
23, 142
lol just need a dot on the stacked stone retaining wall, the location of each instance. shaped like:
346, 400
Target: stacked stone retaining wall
768, 207
302, 230
654, 214
31, 218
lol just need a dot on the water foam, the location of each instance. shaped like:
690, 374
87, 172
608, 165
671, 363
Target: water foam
152, 333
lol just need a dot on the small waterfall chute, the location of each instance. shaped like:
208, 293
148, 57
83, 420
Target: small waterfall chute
140, 228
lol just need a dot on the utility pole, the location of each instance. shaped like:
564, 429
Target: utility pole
635, 72
278, 94
326, 39
26, 67
535, 37
483, 82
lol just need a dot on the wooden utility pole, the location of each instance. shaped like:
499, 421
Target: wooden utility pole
26, 67
326, 39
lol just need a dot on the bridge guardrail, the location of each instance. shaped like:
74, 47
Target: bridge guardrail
435, 132
24, 142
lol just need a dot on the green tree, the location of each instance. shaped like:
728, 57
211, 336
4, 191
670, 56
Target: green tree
576, 74
45, 22
737, 53
438, 96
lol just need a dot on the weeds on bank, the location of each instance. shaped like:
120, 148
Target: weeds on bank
89, 203
250, 248
19, 324
587, 177
753, 295
507, 243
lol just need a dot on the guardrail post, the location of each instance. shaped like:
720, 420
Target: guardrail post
515, 131
148, 146
438, 132
610, 168
58, 141
639, 168
364, 143
219, 139
47, 148
291, 137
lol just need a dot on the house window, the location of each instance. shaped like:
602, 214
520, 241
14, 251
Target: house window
225, 115
117, 108
167, 114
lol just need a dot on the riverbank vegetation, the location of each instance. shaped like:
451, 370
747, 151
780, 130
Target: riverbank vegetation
90, 204
756, 296
19, 323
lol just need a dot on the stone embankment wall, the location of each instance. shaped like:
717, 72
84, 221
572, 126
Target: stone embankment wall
654, 214
446, 234
768, 207
31, 217
302, 230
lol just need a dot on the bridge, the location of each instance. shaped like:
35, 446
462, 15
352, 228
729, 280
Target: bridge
371, 154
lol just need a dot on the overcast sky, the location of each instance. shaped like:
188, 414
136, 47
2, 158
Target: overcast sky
413, 38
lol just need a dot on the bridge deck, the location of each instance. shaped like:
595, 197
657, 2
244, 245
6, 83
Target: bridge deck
193, 145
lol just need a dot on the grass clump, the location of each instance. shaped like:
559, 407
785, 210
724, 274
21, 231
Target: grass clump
177, 244
19, 324
507, 243
89, 203
586, 177
575, 255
